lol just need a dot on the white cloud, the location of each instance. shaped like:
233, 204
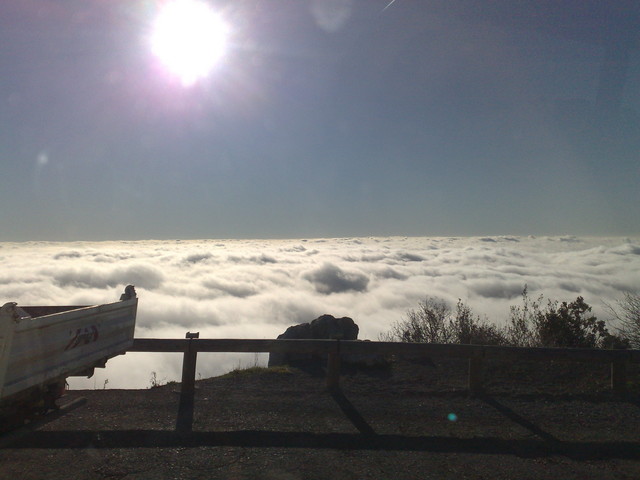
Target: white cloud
330, 278
257, 288
97, 276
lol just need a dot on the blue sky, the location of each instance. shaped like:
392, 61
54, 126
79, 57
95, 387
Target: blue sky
324, 119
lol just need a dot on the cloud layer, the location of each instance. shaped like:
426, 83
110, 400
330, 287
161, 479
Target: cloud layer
257, 288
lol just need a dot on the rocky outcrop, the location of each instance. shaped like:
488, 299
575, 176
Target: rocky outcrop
323, 327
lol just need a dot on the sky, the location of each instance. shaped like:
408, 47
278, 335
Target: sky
251, 288
332, 118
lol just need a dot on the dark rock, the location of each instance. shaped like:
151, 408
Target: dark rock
323, 327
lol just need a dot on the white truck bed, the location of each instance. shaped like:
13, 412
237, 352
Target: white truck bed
41, 346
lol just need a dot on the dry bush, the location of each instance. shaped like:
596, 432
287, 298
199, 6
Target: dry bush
559, 324
435, 322
628, 316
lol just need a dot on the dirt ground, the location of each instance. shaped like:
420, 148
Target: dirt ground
412, 421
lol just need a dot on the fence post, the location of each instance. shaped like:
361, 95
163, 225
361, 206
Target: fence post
619, 377
184, 422
476, 362
333, 368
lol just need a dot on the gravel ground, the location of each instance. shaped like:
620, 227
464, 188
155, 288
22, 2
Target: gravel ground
412, 421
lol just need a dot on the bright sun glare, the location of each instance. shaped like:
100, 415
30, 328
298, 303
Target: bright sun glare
189, 39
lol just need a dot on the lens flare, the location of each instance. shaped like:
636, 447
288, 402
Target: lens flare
189, 39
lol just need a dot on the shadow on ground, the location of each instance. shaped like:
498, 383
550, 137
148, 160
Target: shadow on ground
340, 441
367, 439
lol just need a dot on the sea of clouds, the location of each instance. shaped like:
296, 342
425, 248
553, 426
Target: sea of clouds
257, 288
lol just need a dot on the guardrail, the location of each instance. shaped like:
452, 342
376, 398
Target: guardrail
335, 349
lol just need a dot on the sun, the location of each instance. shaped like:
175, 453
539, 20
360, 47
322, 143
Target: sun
189, 38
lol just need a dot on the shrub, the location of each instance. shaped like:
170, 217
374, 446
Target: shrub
628, 316
426, 324
617, 342
570, 325
469, 329
566, 324
434, 322
559, 325
521, 329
